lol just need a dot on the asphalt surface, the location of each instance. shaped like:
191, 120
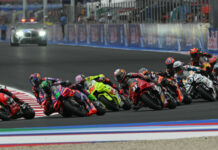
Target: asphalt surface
65, 62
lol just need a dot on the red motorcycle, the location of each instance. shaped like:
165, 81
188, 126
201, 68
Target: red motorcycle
148, 94
9, 109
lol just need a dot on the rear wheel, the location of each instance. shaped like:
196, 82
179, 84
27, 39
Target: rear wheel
153, 103
74, 108
110, 105
206, 95
43, 43
4, 114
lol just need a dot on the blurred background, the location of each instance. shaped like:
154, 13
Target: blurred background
107, 11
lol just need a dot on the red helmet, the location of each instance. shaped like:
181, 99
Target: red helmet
119, 75
169, 62
194, 52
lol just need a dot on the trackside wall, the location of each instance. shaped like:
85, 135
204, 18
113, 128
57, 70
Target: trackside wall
175, 37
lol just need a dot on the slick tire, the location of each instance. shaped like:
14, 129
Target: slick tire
110, 105
150, 102
78, 110
205, 94
28, 112
101, 110
4, 114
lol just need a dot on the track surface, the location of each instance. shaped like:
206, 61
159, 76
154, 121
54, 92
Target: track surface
17, 63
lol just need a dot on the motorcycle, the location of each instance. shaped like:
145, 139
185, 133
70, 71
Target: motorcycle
149, 94
199, 86
179, 93
9, 109
64, 103
108, 96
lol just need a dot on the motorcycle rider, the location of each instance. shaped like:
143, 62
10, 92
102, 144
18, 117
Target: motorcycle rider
167, 80
183, 72
123, 78
46, 85
198, 57
35, 80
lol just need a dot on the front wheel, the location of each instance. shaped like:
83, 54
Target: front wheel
127, 104
28, 112
205, 94
153, 103
100, 108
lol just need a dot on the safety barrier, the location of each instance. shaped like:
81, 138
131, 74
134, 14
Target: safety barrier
175, 37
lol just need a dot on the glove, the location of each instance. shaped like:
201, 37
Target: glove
91, 97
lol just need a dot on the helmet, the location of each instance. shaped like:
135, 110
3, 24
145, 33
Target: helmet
169, 62
35, 79
79, 78
119, 75
194, 52
143, 71
212, 60
178, 66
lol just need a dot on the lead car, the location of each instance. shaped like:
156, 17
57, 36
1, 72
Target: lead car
28, 33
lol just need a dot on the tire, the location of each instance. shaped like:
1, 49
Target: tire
100, 108
14, 44
127, 104
74, 108
187, 99
4, 114
109, 105
205, 94
65, 113
172, 103
150, 103
28, 112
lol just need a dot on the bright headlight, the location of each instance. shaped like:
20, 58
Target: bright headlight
42, 33
19, 33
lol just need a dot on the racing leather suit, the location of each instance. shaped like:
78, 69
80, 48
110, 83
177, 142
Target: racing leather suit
7, 92
200, 58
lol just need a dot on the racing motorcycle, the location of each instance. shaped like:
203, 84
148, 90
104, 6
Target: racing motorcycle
64, 103
150, 95
179, 93
199, 86
108, 96
9, 109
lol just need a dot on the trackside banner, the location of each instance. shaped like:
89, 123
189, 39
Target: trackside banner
175, 37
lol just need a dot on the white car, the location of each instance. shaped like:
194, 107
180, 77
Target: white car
28, 33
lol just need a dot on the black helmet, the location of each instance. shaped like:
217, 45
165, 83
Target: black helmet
119, 75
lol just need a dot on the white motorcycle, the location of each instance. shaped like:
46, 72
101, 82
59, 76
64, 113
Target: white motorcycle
196, 84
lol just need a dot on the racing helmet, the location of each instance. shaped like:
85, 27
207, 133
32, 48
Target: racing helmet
178, 66
169, 62
119, 75
35, 79
144, 71
194, 52
79, 78
212, 60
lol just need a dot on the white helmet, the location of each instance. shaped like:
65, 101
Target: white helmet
178, 65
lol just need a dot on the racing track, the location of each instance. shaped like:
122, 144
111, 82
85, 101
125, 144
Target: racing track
17, 63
